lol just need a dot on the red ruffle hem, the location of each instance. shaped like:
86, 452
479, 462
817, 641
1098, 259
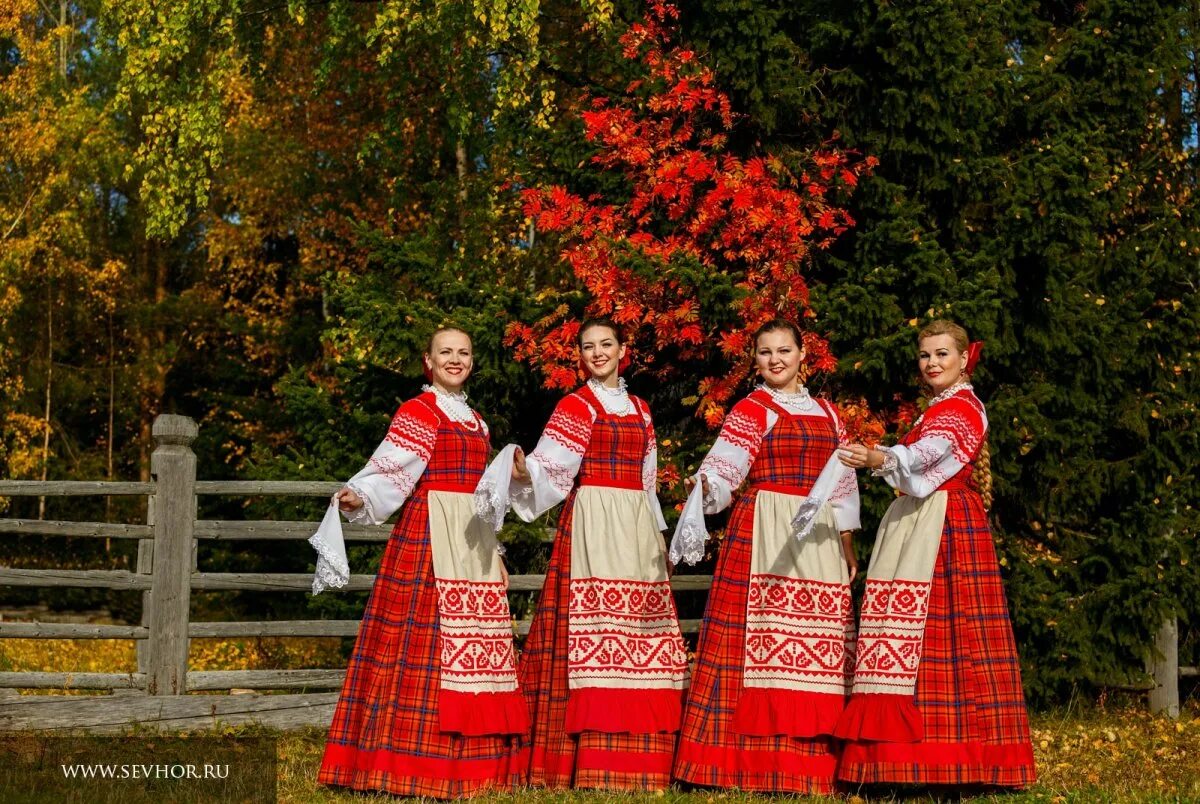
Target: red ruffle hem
767, 712
474, 714
614, 710
487, 772
878, 716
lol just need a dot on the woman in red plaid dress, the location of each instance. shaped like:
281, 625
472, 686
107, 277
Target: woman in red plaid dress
771, 670
430, 705
937, 693
604, 666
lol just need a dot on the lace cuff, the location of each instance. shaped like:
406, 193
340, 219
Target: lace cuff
365, 513
889, 463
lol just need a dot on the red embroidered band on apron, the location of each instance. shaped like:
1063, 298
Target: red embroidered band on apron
627, 662
479, 664
799, 616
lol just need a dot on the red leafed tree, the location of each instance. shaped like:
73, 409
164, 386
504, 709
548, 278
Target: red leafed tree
696, 216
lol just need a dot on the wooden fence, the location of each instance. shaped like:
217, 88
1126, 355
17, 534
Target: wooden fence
166, 573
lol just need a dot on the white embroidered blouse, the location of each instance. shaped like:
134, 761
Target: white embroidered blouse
388, 478
559, 453
945, 438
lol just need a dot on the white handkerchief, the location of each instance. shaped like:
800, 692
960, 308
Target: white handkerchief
332, 568
491, 493
687, 545
827, 481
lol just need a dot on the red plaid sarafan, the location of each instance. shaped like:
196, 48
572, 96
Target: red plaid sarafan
617, 447
976, 729
385, 733
794, 452
710, 752
559, 760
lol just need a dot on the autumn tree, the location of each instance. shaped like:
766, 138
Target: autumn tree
702, 245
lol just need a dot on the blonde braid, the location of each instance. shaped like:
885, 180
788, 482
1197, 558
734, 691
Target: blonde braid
982, 474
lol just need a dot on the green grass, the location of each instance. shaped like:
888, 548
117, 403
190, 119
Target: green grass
1102, 754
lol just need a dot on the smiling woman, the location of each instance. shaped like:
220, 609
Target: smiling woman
604, 666
430, 705
771, 666
937, 693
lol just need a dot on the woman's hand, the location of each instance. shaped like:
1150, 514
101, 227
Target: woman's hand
848, 552
347, 500
520, 472
856, 456
504, 574
689, 483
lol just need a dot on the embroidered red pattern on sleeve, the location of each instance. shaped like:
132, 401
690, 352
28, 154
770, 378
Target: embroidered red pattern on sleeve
564, 441
956, 421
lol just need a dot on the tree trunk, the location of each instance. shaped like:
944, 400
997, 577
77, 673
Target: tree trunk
49, 389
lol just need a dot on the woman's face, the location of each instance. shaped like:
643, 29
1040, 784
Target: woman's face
450, 360
777, 357
601, 353
941, 362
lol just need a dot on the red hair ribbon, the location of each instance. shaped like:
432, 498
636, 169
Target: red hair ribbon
973, 350
425, 367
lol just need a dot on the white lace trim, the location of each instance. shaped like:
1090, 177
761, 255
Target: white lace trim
889, 463
687, 545
454, 406
615, 401
492, 491
798, 402
365, 513
333, 571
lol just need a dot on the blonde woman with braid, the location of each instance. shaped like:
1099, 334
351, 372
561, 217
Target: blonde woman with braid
937, 693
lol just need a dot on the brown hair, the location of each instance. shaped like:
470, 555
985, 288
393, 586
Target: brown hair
778, 325
982, 474
439, 331
601, 321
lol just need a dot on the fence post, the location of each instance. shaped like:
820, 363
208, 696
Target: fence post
1164, 667
173, 466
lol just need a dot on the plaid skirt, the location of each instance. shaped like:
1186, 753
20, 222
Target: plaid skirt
710, 751
385, 733
589, 759
976, 728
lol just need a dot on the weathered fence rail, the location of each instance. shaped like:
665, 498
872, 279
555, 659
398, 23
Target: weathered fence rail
166, 574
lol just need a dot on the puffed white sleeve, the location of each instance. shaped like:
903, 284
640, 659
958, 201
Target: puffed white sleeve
725, 467
383, 485
844, 500
650, 468
397, 463
728, 462
555, 461
949, 435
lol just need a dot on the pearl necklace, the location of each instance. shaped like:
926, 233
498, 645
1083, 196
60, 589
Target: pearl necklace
949, 392
800, 400
454, 406
615, 395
